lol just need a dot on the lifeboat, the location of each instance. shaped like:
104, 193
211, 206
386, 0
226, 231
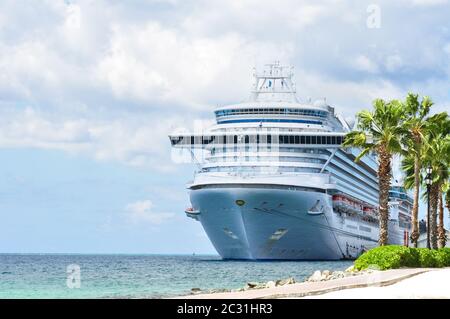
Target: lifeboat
370, 211
346, 204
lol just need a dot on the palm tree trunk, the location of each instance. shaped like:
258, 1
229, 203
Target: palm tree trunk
441, 230
415, 209
433, 214
384, 178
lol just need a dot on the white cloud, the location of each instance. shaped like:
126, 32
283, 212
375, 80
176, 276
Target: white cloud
152, 63
112, 80
141, 142
363, 63
428, 2
142, 212
393, 62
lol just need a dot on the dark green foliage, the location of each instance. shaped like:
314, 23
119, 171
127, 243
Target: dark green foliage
427, 258
392, 257
444, 256
387, 257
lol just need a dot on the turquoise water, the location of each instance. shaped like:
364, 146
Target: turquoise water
139, 276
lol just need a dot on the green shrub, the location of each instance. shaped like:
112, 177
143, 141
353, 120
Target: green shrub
388, 257
443, 255
427, 258
391, 257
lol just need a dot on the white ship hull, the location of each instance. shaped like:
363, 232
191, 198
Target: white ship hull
279, 224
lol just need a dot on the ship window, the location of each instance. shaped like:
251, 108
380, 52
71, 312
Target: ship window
291, 139
333, 140
269, 139
297, 139
339, 139
328, 139
302, 140
313, 140
235, 139
308, 139
247, 139
324, 140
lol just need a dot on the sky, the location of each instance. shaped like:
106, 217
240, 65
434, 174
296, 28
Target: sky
89, 91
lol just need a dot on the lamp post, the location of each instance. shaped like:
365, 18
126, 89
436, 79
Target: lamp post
428, 182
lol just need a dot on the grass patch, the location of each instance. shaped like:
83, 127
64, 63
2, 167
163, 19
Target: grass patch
393, 257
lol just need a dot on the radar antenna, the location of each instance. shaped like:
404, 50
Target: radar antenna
274, 83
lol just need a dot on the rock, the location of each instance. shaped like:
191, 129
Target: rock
287, 281
195, 290
350, 269
316, 276
254, 285
338, 274
270, 284
215, 291
251, 285
325, 275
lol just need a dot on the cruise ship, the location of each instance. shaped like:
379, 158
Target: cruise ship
275, 182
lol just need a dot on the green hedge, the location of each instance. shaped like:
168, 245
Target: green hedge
391, 257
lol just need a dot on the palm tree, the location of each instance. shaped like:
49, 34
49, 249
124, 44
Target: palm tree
447, 197
436, 156
437, 153
415, 128
442, 236
380, 131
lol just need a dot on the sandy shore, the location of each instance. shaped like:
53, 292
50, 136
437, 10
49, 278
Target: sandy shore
396, 283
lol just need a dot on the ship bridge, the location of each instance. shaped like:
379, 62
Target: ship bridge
273, 103
228, 139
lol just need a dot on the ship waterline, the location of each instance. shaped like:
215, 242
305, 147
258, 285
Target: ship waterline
276, 183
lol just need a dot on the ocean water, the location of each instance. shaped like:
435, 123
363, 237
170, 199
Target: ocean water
139, 276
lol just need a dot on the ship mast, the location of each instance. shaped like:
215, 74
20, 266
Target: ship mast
274, 83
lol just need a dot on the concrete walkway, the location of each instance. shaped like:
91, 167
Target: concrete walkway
434, 284
376, 279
